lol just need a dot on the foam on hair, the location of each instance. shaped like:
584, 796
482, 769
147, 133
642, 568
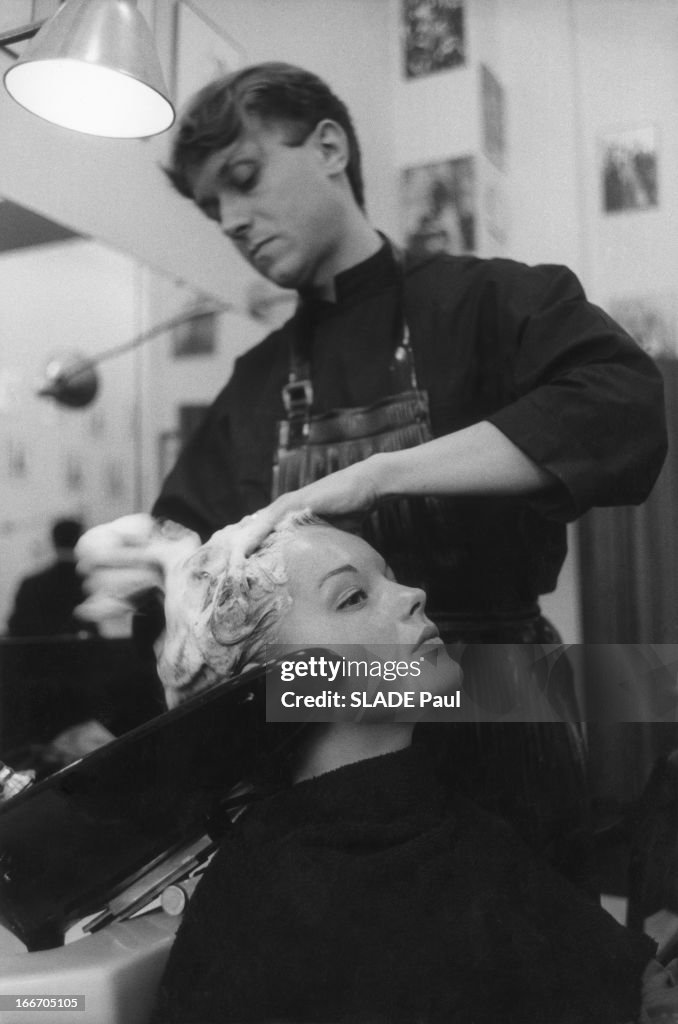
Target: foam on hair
218, 622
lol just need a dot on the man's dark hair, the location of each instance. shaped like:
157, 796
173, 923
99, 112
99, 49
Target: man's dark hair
66, 533
274, 92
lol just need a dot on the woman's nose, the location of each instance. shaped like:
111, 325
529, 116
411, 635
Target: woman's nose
413, 600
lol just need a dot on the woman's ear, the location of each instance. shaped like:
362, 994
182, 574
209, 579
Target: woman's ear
331, 145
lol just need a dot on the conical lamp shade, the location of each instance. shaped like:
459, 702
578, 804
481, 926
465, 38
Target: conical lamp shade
93, 68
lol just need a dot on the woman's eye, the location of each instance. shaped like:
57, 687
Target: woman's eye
356, 597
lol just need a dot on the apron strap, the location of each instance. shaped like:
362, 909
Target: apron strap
297, 393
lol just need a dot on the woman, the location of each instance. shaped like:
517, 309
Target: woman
365, 891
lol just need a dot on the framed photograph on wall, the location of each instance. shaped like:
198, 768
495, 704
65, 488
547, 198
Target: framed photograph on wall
629, 169
74, 475
17, 459
650, 320
438, 207
493, 117
495, 212
195, 337
433, 36
169, 446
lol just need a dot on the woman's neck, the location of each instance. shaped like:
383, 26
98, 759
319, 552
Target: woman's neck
347, 742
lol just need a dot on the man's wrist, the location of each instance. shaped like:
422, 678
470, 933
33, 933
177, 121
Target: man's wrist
383, 473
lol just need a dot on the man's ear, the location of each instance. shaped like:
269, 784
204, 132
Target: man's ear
331, 144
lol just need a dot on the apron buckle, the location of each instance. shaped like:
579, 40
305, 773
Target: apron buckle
297, 398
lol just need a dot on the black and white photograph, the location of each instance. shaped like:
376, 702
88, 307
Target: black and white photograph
650, 320
493, 106
339, 546
433, 36
630, 169
196, 336
438, 204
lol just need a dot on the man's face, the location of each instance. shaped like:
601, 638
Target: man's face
278, 203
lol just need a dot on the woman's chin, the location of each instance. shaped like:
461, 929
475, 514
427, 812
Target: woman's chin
440, 673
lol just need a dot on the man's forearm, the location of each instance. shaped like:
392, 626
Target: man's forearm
476, 460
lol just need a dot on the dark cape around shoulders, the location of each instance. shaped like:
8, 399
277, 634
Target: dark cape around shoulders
370, 894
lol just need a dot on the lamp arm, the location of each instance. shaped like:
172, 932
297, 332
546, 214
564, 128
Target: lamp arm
153, 332
18, 35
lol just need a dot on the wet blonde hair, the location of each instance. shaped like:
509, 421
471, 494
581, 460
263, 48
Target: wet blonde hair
216, 621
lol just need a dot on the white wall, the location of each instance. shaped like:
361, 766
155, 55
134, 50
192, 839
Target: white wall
631, 83
572, 70
75, 295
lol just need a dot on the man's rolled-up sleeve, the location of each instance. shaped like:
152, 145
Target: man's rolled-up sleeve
199, 492
589, 403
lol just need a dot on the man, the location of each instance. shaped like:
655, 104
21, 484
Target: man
44, 602
540, 406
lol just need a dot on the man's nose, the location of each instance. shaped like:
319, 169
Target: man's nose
234, 218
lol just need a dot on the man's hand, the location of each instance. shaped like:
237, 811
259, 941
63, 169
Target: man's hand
125, 559
340, 494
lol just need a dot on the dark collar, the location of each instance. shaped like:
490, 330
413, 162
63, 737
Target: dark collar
369, 277
375, 791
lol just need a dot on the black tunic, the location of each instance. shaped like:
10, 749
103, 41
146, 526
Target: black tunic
492, 339
370, 895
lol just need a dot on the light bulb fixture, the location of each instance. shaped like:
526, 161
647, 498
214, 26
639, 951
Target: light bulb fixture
93, 68
71, 379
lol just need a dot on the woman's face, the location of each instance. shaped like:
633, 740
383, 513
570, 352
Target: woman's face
344, 594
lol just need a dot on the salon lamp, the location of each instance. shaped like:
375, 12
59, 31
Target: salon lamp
72, 380
93, 68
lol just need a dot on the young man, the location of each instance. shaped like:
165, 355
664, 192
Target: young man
540, 405
485, 402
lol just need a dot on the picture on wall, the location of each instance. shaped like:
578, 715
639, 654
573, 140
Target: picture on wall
650, 320
195, 337
438, 207
495, 207
73, 473
17, 459
114, 480
629, 169
433, 36
493, 117
169, 447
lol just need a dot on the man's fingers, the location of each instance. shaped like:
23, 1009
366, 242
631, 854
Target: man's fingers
120, 542
123, 584
100, 608
248, 534
113, 557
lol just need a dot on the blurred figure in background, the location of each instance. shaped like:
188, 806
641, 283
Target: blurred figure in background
44, 601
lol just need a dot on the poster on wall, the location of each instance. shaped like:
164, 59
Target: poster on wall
495, 209
114, 480
629, 169
74, 476
195, 337
493, 117
17, 459
438, 207
169, 449
433, 36
650, 320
